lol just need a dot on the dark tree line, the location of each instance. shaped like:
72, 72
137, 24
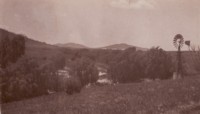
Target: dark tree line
130, 65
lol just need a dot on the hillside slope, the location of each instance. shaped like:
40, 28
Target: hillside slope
35, 49
166, 97
29, 43
41, 50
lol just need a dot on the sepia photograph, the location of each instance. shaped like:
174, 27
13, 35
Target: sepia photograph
99, 56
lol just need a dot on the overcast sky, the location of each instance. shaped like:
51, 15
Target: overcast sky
95, 23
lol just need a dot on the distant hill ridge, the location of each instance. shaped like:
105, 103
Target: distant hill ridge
123, 46
71, 45
30, 43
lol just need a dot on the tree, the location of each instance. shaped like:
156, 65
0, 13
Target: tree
133, 66
26, 79
85, 70
20, 78
73, 84
127, 66
158, 64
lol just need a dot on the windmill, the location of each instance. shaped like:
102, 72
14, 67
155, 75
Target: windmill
178, 43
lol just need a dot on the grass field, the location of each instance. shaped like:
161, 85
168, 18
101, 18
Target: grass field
159, 97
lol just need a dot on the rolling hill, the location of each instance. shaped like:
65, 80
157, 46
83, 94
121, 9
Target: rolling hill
30, 43
71, 45
122, 46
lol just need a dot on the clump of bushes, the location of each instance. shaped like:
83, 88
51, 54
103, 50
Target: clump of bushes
73, 85
83, 72
18, 81
134, 66
159, 64
29, 77
26, 79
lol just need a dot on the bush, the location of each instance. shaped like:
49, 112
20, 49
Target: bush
26, 79
19, 80
158, 64
85, 70
73, 85
127, 66
134, 66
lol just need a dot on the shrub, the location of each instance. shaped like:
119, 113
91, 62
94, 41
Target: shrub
73, 85
26, 79
85, 70
134, 66
158, 64
19, 81
127, 66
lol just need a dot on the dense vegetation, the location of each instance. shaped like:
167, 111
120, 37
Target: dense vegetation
30, 68
22, 75
132, 66
85, 70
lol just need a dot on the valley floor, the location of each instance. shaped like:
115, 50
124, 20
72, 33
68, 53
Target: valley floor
158, 97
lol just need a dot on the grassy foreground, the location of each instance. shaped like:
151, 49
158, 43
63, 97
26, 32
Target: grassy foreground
159, 97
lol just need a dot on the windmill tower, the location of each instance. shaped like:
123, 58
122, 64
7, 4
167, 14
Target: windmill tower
178, 43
